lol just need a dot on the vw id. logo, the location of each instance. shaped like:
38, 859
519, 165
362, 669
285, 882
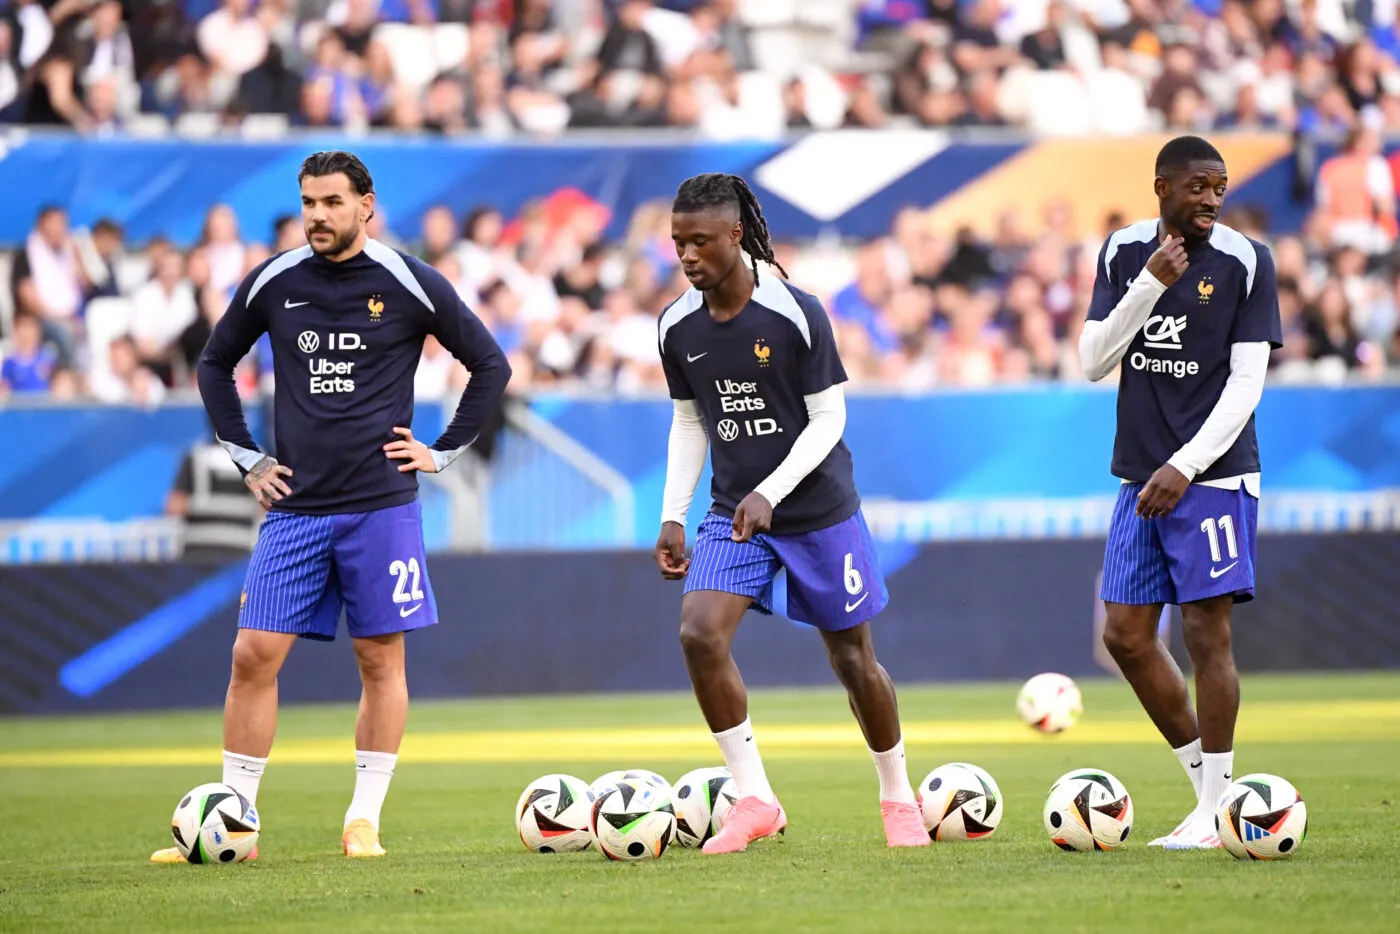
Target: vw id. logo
308, 341
728, 429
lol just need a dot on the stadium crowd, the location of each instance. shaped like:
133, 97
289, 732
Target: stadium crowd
912, 310
718, 68
95, 315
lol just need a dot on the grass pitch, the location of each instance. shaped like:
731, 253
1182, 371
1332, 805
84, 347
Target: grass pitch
83, 801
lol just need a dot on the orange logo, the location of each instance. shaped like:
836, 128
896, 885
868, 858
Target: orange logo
376, 307
1205, 289
762, 351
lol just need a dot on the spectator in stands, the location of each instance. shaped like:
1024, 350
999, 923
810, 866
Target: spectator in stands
29, 362
161, 310
484, 259
627, 46
10, 72
126, 380
271, 87
1356, 194
356, 29
104, 266
223, 248
438, 233
234, 38
50, 281
1333, 338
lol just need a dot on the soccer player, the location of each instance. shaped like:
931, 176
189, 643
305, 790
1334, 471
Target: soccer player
1190, 309
752, 368
347, 317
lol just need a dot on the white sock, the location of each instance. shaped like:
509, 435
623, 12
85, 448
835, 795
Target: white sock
740, 753
373, 772
894, 777
1217, 766
243, 773
1190, 758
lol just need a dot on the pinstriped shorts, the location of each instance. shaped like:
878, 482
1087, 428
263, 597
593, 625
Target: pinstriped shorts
1203, 548
305, 569
833, 574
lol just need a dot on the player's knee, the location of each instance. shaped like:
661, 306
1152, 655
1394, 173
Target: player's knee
380, 663
1126, 641
254, 659
701, 639
1206, 634
852, 663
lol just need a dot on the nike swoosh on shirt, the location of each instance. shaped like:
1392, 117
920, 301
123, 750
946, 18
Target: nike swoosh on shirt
852, 606
690, 359
291, 304
410, 610
1218, 572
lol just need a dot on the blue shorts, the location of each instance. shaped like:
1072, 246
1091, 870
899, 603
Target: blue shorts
1203, 548
833, 577
305, 568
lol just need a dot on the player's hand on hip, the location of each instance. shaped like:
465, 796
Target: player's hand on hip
1162, 492
265, 480
670, 551
417, 454
1168, 264
754, 515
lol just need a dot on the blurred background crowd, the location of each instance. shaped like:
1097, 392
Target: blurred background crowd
87, 312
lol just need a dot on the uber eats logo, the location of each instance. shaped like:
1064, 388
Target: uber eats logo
330, 376
742, 397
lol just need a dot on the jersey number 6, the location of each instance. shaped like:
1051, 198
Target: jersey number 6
402, 592
854, 583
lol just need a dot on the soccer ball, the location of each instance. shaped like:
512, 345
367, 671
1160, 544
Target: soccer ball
1050, 703
1088, 809
552, 815
215, 824
702, 800
1261, 817
633, 820
960, 801
603, 782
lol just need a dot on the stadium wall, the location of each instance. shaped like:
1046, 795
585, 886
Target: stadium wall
108, 637
165, 186
953, 450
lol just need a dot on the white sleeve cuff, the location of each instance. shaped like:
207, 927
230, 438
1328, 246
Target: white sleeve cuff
685, 460
1249, 363
1103, 343
826, 420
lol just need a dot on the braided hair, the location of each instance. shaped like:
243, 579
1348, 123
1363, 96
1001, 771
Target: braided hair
715, 189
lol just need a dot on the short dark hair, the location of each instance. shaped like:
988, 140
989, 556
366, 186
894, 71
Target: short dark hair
51, 207
321, 164
715, 190
1177, 154
107, 225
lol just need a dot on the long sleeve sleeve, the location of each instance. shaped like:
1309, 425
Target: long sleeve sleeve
1106, 338
685, 460
235, 334
1243, 389
826, 414
464, 336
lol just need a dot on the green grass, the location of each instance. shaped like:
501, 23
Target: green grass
76, 838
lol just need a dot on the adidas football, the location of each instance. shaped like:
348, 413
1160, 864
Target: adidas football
1088, 809
1261, 817
702, 800
552, 815
604, 782
960, 801
633, 820
215, 824
1050, 703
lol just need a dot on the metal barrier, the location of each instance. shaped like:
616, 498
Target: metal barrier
83, 541
549, 491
